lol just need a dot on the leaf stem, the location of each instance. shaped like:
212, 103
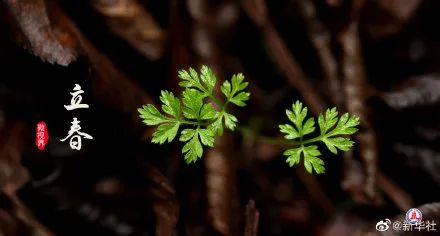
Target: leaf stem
246, 132
216, 101
316, 139
187, 122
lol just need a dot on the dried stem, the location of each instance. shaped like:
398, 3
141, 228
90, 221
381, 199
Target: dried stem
355, 87
40, 37
283, 58
252, 218
131, 21
401, 198
321, 39
316, 191
218, 177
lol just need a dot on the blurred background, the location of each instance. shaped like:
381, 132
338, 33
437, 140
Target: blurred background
378, 59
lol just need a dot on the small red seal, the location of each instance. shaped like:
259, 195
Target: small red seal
42, 135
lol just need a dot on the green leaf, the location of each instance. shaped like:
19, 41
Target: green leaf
240, 99
201, 120
237, 83
191, 80
233, 90
290, 132
170, 104
207, 137
217, 125
193, 149
293, 156
208, 112
192, 103
331, 129
187, 134
204, 83
208, 78
343, 144
165, 132
346, 125
311, 160
150, 115
297, 115
309, 126
328, 121
230, 121
187, 80
226, 89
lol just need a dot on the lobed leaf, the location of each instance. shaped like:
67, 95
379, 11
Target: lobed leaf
290, 132
207, 122
208, 78
170, 104
208, 112
331, 128
193, 149
150, 115
341, 143
293, 156
311, 160
297, 115
346, 125
233, 90
217, 125
192, 103
230, 121
165, 132
206, 137
328, 121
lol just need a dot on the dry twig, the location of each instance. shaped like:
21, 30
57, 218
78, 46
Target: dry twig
219, 188
252, 218
165, 204
131, 21
295, 76
39, 36
321, 39
356, 92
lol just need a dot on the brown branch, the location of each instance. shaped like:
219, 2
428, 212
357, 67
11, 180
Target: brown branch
25, 215
295, 76
353, 180
321, 39
165, 203
131, 21
356, 87
316, 191
219, 187
13, 175
252, 217
402, 199
39, 36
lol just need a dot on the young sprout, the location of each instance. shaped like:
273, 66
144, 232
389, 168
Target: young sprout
332, 131
195, 114
200, 116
